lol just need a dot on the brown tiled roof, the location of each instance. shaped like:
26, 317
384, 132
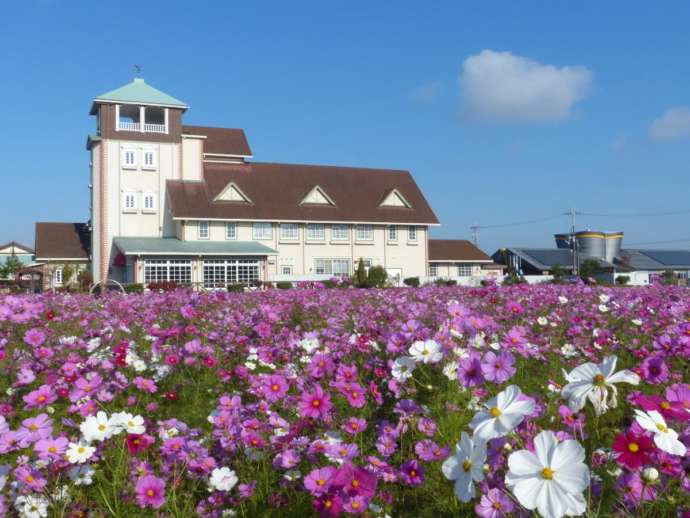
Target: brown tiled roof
221, 141
62, 241
276, 191
455, 250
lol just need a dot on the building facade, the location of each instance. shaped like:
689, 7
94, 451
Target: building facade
62, 253
459, 258
172, 202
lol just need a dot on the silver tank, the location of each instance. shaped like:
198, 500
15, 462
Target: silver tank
613, 242
591, 244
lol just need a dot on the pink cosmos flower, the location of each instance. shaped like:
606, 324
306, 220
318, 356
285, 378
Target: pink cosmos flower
34, 337
150, 490
41, 397
51, 449
355, 425
494, 504
31, 478
498, 367
412, 473
633, 449
273, 387
35, 428
315, 404
318, 481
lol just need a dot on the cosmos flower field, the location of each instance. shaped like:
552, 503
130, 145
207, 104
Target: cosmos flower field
431, 402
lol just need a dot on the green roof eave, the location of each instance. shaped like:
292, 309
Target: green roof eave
140, 93
173, 246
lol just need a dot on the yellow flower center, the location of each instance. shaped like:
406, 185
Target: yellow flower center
665, 405
320, 482
316, 403
52, 449
547, 473
661, 428
41, 399
355, 483
33, 427
275, 387
29, 479
497, 506
495, 412
149, 492
633, 447
599, 380
467, 465
80, 449
101, 427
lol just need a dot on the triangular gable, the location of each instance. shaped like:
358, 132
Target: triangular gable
232, 193
395, 199
317, 196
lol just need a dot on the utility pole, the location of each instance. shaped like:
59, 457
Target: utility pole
573, 241
475, 233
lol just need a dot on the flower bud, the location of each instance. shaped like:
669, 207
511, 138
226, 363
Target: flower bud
650, 474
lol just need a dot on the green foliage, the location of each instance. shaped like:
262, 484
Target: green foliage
513, 278
133, 288
377, 277
588, 268
558, 273
68, 272
11, 266
360, 277
284, 285
235, 287
85, 279
669, 277
411, 281
445, 282
622, 280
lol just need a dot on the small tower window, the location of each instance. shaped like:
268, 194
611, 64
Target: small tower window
149, 159
129, 158
128, 118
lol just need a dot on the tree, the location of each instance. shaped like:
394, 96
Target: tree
67, 274
669, 277
588, 268
558, 273
377, 277
11, 267
360, 274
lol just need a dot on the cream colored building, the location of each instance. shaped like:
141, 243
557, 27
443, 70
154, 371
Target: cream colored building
188, 204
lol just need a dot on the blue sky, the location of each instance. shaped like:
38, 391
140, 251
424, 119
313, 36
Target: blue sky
503, 111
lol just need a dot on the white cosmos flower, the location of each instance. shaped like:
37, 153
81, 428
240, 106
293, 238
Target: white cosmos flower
97, 428
665, 438
542, 321
450, 370
603, 308
502, 414
79, 453
223, 479
592, 381
31, 506
82, 475
428, 351
131, 424
568, 350
604, 298
465, 467
403, 367
552, 479
563, 300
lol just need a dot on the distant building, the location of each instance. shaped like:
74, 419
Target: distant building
640, 265
59, 245
460, 258
23, 253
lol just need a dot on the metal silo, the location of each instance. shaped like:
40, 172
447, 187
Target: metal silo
613, 242
563, 241
591, 244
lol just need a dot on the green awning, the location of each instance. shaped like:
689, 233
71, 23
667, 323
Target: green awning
173, 246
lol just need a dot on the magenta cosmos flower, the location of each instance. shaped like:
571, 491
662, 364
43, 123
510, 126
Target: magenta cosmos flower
470, 371
274, 387
150, 490
315, 404
318, 481
633, 449
354, 480
41, 397
498, 367
412, 473
494, 504
34, 337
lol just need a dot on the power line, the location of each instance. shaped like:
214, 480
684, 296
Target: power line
637, 214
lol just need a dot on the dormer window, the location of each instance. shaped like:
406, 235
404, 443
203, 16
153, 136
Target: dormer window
144, 119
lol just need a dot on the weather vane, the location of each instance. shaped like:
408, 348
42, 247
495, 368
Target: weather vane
137, 70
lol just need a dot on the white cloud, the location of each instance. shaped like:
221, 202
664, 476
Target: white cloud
501, 86
674, 123
427, 92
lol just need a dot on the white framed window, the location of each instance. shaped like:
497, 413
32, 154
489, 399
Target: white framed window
262, 231
231, 230
365, 232
289, 231
392, 233
316, 232
129, 158
286, 269
149, 201
340, 232
58, 277
129, 201
464, 270
149, 161
340, 267
433, 270
164, 270
204, 231
412, 233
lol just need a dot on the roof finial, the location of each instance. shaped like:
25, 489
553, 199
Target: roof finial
137, 70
